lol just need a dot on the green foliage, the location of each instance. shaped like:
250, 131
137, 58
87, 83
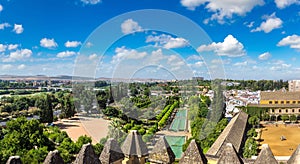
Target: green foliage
293, 118
252, 133
262, 85
163, 112
284, 117
111, 111
83, 140
250, 148
35, 155
21, 137
44, 103
255, 111
98, 148
165, 118
254, 120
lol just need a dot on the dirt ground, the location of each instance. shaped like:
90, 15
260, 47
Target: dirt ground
271, 135
96, 128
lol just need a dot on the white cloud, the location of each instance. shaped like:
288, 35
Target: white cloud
293, 41
4, 25
90, 2
123, 53
130, 26
48, 43
271, 23
2, 47
280, 67
88, 44
167, 41
18, 55
12, 46
1, 7
245, 63
194, 57
72, 44
199, 64
223, 8
22, 66
176, 43
230, 47
249, 25
285, 3
192, 4
65, 54
93, 57
18, 28
7, 66
264, 56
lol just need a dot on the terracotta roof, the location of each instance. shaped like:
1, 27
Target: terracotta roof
229, 155
87, 155
53, 157
233, 133
193, 154
111, 152
279, 95
265, 156
14, 160
162, 152
295, 158
134, 145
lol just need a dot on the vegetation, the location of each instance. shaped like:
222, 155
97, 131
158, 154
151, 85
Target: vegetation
254, 85
32, 141
207, 125
250, 148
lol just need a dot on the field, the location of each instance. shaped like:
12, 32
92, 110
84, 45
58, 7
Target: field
271, 135
96, 128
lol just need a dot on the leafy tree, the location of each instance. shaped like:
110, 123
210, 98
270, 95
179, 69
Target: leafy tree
83, 140
68, 108
293, 118
253, 120
250, 148
98, 147
252, 133
45, 106
284, 117
21, 136
111, 111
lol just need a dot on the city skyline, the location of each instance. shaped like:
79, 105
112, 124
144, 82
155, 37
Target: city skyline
253, 39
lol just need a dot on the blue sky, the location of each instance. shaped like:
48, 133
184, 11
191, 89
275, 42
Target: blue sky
249, 39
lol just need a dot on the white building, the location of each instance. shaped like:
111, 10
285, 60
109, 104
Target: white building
294, 85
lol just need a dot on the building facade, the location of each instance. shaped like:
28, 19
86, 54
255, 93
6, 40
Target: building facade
294, 85
281, 103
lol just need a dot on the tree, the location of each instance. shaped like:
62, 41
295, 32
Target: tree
250, 148
45, 106
68, 108
293, 118
252, 133
253, 120
284, 117
111, 111
22, 137
83, 140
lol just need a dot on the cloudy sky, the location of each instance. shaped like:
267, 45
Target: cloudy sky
246, 39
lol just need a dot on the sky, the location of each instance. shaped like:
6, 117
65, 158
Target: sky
169, 39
